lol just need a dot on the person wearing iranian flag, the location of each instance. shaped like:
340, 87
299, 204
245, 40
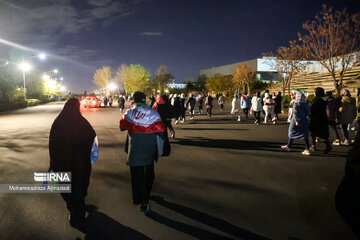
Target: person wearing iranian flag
143, 125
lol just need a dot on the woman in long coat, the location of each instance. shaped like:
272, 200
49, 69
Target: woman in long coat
318, 120
70, 142
299, 126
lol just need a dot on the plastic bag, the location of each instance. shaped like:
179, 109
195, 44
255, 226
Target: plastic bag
94, 151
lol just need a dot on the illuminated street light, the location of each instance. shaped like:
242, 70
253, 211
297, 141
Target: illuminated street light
112, 86
25, 66
55, 71
42, 56
61, 79
62, 89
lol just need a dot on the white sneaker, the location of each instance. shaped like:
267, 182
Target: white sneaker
306, 152
286, 148
176, 121
274, 122
239, 119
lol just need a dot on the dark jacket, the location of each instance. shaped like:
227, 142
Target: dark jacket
191, 101
347, 111
318, 118
278, 101
70, 142
332, 109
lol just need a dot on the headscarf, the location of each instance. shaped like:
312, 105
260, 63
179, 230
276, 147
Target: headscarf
319, 91
299, 97
346, 92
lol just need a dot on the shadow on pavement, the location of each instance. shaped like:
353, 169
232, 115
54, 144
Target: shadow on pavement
99, 226
201, 217
185, 228
229, 144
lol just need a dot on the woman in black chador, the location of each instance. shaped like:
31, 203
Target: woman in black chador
70, 143
318, 120
347, 198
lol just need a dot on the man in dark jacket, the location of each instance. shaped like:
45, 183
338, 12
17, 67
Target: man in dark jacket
347, 198
332, 109
318, 120
191, 102
70, 142
143, 124
209, 105
278, 101
121, 102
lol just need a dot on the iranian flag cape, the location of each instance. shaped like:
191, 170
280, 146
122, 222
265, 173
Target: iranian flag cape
142, 119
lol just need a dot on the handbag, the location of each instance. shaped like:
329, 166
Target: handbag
163, 146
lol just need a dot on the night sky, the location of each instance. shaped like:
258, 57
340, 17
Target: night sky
185, 35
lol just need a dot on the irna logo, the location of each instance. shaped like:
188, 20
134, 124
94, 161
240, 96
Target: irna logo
52, 177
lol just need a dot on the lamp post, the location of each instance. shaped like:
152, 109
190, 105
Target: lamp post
26, 67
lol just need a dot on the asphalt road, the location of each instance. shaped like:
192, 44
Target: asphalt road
223, 179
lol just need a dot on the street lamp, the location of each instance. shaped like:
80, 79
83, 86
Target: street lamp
26, 67
112, 86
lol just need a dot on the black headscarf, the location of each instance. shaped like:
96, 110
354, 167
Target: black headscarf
70, 142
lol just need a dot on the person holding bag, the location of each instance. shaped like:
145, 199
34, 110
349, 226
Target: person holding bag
144, 125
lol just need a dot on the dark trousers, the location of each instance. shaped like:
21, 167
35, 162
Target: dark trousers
344, 129
291, 140
246, 112
209, 111
332, 125
142, 178
257, 116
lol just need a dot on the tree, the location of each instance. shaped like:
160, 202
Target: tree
162, 78
200, 83
288, 61
331, 38
219, 83
242, 78
119, 77
103, 77
135, 78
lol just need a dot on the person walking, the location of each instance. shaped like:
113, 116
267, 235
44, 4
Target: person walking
70, 142
162, 106
278, 106
257, 107
190, 103
152, 101
121, 103
318, 120
332, 108
347, 197
245, 103
105, 99
110, 101
201, 102
347, 114
182, 107
209, 104
176, 107
299, 126
143, 125
221, 101
269, 106
235, 106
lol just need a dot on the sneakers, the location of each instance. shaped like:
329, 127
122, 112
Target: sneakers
286, 148
239, 119
274, 122
176, 122
144, 208
345, 142
313, 148
336, 142
306, 152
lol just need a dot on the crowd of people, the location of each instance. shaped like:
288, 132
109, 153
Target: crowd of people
147, 124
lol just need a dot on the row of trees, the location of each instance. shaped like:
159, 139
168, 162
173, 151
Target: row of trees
11, 85
133, 77
331, 38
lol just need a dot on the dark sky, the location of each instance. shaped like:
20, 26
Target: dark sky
185, 35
